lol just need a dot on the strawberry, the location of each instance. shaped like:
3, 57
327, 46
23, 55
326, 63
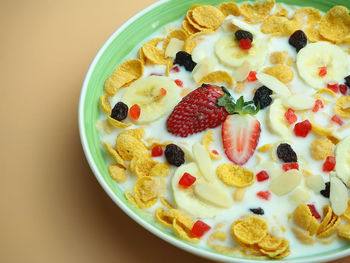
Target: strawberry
240, 136
197, 112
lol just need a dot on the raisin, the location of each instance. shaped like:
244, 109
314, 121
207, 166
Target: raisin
257, 211
241, 34
347, 81
298, 40
286, 153
174, 154
325, 192
184, 59
120, 111
262, 97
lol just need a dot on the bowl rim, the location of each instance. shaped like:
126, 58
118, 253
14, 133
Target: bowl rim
168, 238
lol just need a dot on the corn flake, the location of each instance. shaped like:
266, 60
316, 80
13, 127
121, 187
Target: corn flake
178, 33
281, 11
114, 154
344, 232
274, 253
302, 216
217, 77
342, 107
335, 25
117, 124
258, 11
278, 57
303, 236
127, 72
240, 86
280, 72
313, 34
137, 133
127, 144
141, 164
160, 170
117, 172
146, 191
166, 203
250, 230
229, 8
234, 175
346, 214
208, 16
154, 55
104, 104
188, 28
270, 242
331, 227
321, 148
308, 16
183, 231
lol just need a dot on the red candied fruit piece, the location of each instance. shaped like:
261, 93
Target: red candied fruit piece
262, 176
343, 89
135, 112
215, 152
245, 43
252, 76
322, 71
175, 69
187, 180
163, 91
333, 87
318, 105
199, 229
157, 151
290, 166
179, 83
329, 164
314, 211
290, 115
264, 195
302, 129
337, 120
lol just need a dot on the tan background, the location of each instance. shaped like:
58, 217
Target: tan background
52, 209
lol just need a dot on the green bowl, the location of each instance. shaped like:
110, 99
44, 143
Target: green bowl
113, 52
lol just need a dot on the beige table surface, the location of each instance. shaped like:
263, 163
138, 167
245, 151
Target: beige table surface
52, 209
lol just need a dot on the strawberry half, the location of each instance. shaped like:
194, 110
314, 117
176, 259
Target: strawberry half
240, 136
197, 111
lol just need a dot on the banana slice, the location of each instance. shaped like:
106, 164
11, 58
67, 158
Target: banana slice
153, 101
276, 121
322, 54
230, 54
186, 200
342, 155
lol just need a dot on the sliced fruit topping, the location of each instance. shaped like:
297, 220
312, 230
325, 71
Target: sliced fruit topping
240, 136
302, 129
242, 34
157, 151
264, 195
245, 44
342, 167
148, 94
212, 194
336, 119
252, 76
203, 68
290, 115
333, 87
319, 54
197, 111
286, 182
314, 211
199, 229
120, 111
135, 112
262, 97
322, 71
338, 196
257, 211
298, 40
286, 154
187, 180
299, 102
262, 176
290, 166
329, 164
174, 154
203, 161
184, 59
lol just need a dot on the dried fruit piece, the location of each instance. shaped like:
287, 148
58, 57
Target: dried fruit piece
234, 175
262, 176
119, 111
157, 151
329, 164
174, 154
326, 191
135, 112
264, 195
298, 40
242, 34
286, 153
262, 97
257, 211
184, 59
290, 116
199, 229
187, 180
290, 166
302, 129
